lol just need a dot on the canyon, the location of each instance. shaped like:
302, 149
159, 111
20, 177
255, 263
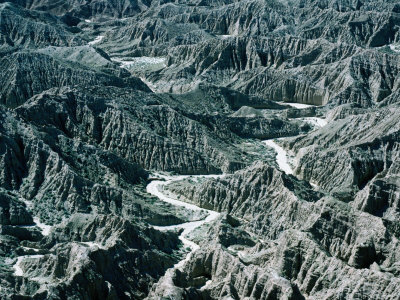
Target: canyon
214, 149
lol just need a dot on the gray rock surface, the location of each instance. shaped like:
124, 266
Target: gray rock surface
12, 210
261, 49
84, 256
303, 239
102, 100
21, 28
30, 73
364, 145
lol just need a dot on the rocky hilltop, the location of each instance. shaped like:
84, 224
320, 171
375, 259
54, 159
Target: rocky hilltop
199, 149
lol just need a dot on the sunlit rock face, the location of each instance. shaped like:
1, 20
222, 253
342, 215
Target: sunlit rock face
212, 149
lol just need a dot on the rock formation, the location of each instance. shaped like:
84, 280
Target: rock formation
199, 149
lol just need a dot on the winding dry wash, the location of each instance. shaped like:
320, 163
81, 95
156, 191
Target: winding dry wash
281, 157
155, 188
294, 104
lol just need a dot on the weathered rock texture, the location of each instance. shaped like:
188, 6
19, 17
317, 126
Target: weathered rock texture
84, 257
99, 97
348, 153
296, 52
309, 244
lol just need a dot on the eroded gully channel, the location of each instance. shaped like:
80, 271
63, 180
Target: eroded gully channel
155, 188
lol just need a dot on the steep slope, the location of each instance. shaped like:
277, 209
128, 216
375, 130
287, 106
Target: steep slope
199, 149
87, 9
30, 73
298, 241
262, 48
140, 128
364, 146
93, 257
21, 28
